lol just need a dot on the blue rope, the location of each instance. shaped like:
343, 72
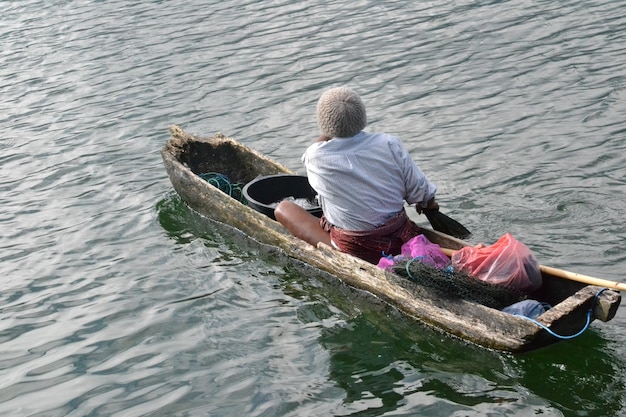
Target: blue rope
448, 269
221, 182
408, 264
558, 336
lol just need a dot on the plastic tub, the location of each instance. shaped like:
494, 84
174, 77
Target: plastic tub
264, 193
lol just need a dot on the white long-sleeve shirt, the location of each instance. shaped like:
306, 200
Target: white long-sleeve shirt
363, 180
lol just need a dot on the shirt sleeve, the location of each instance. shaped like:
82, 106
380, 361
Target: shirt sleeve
418, 189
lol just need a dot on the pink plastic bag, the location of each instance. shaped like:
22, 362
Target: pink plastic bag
418, 247
428, 252
507, 262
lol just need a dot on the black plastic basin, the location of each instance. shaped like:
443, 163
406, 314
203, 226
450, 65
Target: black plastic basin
264, 193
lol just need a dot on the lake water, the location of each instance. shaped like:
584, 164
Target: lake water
118, 301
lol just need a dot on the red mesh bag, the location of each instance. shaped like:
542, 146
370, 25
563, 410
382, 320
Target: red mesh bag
507, 262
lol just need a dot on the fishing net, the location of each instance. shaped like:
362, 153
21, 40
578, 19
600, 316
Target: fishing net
221, 182
457, 284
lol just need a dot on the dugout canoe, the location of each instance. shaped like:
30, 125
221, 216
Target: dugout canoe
575, 304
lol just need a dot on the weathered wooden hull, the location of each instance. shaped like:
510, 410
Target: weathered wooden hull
185, 156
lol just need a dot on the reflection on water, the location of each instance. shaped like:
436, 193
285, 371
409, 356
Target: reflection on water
386, 364
583, 378
112, 308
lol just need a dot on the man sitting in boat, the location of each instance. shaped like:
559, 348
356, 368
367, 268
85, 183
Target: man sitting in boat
362, 180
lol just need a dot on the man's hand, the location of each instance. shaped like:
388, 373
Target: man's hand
431, 205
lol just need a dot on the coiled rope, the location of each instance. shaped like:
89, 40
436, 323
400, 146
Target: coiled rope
223, 183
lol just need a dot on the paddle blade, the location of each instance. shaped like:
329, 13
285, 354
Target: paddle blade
444, 224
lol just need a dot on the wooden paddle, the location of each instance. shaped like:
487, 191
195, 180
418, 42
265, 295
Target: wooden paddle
444, 224
572, 276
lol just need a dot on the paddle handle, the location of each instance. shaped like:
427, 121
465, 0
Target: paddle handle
572, 276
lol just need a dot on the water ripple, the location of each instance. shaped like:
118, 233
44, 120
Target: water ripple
114, 307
